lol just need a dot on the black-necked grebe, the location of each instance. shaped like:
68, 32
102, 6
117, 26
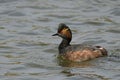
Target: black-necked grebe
79, 52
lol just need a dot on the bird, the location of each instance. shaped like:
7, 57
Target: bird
77, 52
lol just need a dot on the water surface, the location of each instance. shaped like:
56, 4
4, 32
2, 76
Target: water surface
28, 51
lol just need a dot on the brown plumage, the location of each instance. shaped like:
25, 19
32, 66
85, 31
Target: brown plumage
79, 52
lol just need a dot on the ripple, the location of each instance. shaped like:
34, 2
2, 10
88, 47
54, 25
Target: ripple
6, 47
10, 74
38, 7
6, 12
113, 31
2, 27
94, 42
6, 1
16, 14
60, 16
95, 23
43, 19
28, 33
33, 65
116, 11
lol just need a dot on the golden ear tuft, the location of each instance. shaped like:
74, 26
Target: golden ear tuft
65, 29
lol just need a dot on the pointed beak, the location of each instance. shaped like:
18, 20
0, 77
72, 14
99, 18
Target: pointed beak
55, 34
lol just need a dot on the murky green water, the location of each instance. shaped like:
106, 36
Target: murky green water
28, 51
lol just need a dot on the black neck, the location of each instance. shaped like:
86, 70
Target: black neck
63, 45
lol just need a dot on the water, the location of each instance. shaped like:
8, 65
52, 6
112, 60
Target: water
28, 51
